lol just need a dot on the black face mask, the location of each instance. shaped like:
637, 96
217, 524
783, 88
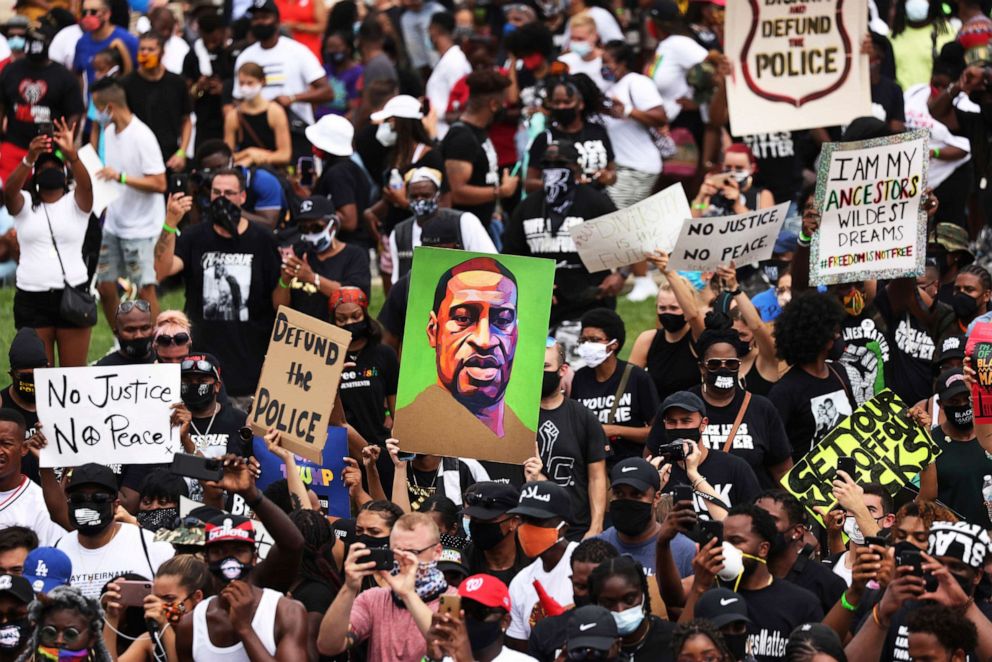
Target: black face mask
12, 634
91, 518
50, 179
687, 434
836, 350
36, 51
550, 383
25, 388
263, 31
722, 379
671, 322
482, 634
225, 214
737, 643
960, 416
559, 184
373, 543
159, 518
631, 518
137, 348
486, 535
196, 396
358, 330
965, 307
564, 116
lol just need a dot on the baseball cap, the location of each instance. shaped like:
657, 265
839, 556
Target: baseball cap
952, 237
452, 560
442, 230
47, 567
665, 10
16, 586
952, 347
542, 499
593, 627
27, 350
316, 206
263, 6
787, 242
230, 528
200, 363
402, 105
189, 533
332, 134
683, 400
823, 639
559, 152
486, 590
966, 542
489, 499
636, 472
950, 383
721, 606
92, 474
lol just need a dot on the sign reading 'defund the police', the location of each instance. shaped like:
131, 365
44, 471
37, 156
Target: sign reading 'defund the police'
108, 415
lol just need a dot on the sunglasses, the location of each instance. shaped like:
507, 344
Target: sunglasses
716, 364
200, 365
477, 500
49, 634
90, 12
96, 497
127, 306
165, 340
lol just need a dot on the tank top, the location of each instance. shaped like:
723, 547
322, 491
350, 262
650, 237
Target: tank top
264, 624
260, 125
672, 366
756, 383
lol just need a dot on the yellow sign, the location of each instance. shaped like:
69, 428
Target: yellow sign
888, 447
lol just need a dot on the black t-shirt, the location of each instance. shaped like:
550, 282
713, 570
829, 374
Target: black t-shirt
910, 369
209, 107
963, 468
529, 233
350, 267
33, 93
731, 477
896, 644
775, 611
229, 284
465, 142
591, 141
116, 358
475, 561
811, 407
393, 313
344, 182
161, 104
779, 165
866, 353
672, 366
365, 387
887, 94
547, 639
29, 463
760, 440
819, 580
636, 409
569, 439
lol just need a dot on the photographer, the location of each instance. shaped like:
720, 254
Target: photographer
732, 189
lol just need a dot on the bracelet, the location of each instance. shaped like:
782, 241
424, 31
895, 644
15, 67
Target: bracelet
874, 616
936, 152
282, 284
253, 504
734, 293
845, 604
698, 481
316, 281
180, 152
27, 164
700, 206
171, 230
804, 244
803, 237
123, 178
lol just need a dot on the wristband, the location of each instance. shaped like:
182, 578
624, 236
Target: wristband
700, 207
27, 164
936, 152
180, 152
845, 604
804, 244
699, 480
168, 228
316, 281
874, 616
123, 178
282, 284
734, 293
803, 237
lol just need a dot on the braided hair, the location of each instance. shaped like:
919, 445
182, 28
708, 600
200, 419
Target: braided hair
67, 597
685, 631
317, 535
980, 272
624, 567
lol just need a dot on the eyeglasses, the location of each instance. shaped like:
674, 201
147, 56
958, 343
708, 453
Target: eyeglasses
715, 364
417, 552
199, 364
165, 340
49, 634
588, 655
126, 306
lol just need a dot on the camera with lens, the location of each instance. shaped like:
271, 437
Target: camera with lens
671, 452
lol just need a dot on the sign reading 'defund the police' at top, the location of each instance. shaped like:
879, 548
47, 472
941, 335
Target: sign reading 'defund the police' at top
107, 415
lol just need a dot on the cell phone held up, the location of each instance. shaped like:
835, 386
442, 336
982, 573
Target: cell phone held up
133, 592
382, 556
450, 604
914, 559
848, 465
705, 530
197, 467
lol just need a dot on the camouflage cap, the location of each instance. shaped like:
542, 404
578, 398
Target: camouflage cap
952, 237
183, 535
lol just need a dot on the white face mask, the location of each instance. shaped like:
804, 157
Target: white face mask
917, 10
580, 48
594, 353
386, 134
628, 620
733, 563
853, 531
249, 92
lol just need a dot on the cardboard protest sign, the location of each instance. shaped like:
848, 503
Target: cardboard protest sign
107, 415
324, 478
872, 222
299, 381
706, 243
795, 65
979, 348
625, 236
889, 449
263, 539
473, 355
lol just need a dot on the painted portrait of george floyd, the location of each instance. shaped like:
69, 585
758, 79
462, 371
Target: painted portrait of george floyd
473, 355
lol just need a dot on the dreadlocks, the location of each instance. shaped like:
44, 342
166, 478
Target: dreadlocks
317, 537
66, 597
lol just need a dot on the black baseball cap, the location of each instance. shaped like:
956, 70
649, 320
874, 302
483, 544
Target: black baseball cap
442, 230
951, 383
683, 400
542, 499
593, 627
27, 350
489, 499
317, 206
823, 639
559, 152
665, 10
92, 474
636, 472
721, 606
952, 347
18, 587
262, 7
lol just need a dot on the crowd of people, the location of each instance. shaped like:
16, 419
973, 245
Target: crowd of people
267, 153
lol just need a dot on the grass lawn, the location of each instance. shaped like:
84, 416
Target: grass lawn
637, 316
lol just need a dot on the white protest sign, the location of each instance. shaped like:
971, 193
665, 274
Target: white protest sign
796, 65
263, 539
872, 221
706, 243
627, 235
104, 191
110, 414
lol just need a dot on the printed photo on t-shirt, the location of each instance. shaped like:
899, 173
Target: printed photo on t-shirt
226, 286
828, 411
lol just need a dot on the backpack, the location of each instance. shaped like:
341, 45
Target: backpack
291, 199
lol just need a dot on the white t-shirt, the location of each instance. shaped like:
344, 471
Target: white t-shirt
672, 59
918, 117
63, 46
451, 68
175, 52
474, 238
93, 568
25, 506
505, 655
523, 597
630, 138
290, 68
38, 269
840, 566
606, 26
134, 214
592, 68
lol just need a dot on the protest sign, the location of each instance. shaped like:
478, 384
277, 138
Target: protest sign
872, 222
888, 447
299, 381
706, 243
107, 415
627, 235
476, 326
979, 348
324, 478
795, 65
263, 539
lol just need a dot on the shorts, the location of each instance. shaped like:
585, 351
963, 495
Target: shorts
40, 310
133, 259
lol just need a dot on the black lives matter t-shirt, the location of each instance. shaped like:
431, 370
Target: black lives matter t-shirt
731, 477
809, 406
365, 387
775, 611
591, 142
779, 165
760, 440
465, 142
31, 93
229, 284
569, 439
866, 353
636, 408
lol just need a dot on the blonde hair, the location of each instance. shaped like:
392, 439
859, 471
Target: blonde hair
582, 20
411, 521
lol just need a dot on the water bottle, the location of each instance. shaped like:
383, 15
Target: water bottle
987, 493
395, 179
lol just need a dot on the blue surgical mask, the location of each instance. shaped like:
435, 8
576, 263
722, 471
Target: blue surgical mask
580, 48
104, 117
917, 10
16, 43
628, 620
